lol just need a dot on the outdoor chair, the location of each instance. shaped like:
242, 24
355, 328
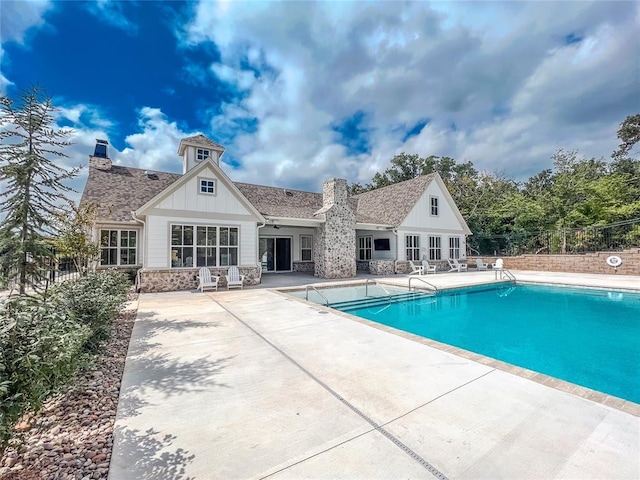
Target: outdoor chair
480, 265
416, 269
234, 279
428, 268
498, 266
455, 266
206, 280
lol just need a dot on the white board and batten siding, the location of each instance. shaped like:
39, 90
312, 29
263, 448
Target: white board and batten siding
187, 206
419, 221
159, 235
187, 198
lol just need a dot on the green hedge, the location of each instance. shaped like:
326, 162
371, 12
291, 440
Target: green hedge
45, 338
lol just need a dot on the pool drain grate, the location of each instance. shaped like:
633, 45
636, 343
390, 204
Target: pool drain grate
433, 470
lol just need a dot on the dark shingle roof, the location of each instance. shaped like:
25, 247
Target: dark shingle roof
281, 202
120, 190
202, 140
391, 204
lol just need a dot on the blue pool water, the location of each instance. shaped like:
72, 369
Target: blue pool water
587, 337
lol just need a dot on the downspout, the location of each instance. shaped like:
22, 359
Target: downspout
395, 264
144, 249
258, 251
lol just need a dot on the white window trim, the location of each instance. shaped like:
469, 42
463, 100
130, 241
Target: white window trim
437, 205
215, 186
413, 248
435, 249
202, 154
365, 247
453, 248
309, 248
119, 247
195, 244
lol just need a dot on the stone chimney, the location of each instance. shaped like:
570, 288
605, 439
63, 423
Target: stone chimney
100, 158
335, 239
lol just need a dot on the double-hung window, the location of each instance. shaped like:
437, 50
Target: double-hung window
433, 201
306, 248
118, 247
210, 246
454, 247
365, 247
412, 245
435, 248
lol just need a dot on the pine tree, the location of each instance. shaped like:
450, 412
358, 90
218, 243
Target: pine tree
33, 191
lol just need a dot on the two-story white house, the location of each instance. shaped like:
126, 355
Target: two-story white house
168, 225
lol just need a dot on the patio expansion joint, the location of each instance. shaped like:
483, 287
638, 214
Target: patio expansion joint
376, 427
439, 397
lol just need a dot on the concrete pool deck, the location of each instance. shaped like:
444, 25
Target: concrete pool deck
255, 384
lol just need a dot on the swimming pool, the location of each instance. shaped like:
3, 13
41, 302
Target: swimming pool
584, 336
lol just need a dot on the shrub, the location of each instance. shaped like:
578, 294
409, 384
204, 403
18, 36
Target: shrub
94, 301
44, 340
40, 349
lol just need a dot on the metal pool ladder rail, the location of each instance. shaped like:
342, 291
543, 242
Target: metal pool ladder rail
423, 281
509, 275
366, 287
306, 296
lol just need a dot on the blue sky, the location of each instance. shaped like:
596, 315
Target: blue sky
301, 91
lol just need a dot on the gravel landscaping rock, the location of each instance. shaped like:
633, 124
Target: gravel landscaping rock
72, 437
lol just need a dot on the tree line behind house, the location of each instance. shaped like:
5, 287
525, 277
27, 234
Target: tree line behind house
577, 192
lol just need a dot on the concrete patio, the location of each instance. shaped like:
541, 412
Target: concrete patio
255, 384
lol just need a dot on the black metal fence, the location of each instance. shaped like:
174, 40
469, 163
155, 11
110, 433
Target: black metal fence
613, 237
56, 271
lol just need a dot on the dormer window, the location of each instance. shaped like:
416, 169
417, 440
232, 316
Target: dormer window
207, 186
202, 154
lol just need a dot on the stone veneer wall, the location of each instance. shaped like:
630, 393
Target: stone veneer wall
382, 267
579, 263
403, 266
167, 280
304, 266
335, 239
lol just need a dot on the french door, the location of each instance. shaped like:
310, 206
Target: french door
275, 254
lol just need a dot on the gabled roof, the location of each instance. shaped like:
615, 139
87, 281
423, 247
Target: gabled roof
119, 190
390, 205
222, 177
199, 140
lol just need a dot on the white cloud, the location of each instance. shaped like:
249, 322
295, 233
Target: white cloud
16, 19
155, 146
503, 73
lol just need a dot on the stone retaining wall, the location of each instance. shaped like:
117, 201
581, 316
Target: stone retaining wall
167, 280
403, 266
382, 267
579, 263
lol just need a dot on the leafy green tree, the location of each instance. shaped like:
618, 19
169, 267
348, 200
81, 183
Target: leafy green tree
74, 236
628, 134
34, 188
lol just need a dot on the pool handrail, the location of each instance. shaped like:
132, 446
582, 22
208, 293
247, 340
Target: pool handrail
366, 287
423, 281
509, 275
306, 296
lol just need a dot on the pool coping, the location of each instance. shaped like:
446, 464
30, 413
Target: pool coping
541, 378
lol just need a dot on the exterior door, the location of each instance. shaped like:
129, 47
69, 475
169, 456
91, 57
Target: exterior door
275, 254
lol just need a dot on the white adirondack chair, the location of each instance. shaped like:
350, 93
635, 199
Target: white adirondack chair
234, 279
207, 280
428, 268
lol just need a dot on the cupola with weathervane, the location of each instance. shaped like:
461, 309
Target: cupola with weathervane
197, 149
